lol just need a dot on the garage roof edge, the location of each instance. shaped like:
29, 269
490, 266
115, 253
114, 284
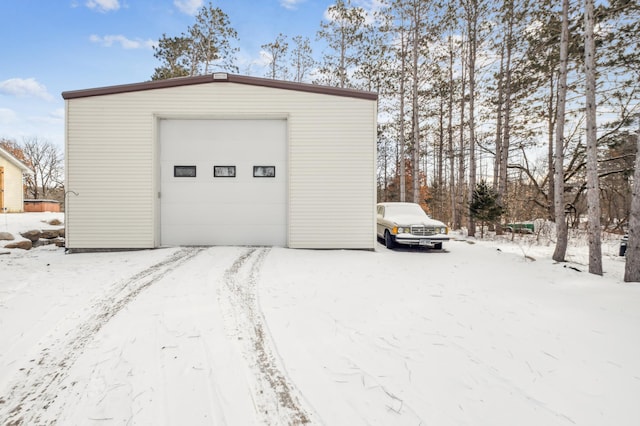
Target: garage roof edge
220, 78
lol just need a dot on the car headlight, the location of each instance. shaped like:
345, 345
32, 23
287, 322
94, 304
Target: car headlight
443, 230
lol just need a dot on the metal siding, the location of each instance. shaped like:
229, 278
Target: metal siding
111, 155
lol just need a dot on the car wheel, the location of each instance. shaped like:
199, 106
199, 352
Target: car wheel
437, 246
388, 239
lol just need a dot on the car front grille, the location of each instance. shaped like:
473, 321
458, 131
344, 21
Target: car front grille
423, 231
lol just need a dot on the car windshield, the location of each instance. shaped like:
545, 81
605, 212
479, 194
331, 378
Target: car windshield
404, 209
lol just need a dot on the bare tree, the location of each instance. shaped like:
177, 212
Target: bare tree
593, 189
46, 164
558, 190
505, 98
451, 153
632, 265
276, 52
417, 11
460, 194
499, 114
472, 10
400, 29
301, 58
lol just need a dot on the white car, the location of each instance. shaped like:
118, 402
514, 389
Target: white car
408, 224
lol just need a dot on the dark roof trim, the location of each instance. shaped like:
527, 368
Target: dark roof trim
220, 78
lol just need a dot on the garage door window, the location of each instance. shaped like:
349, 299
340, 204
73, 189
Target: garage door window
184, 171
264, 171
224, 171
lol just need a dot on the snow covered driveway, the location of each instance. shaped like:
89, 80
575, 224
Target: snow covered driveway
237, 336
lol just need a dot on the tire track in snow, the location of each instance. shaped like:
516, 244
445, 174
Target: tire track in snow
274, 396
30, 398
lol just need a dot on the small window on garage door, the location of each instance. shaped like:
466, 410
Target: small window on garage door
184, 171
224, 171
264, 171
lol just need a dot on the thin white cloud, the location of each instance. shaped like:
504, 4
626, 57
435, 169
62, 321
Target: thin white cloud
45, 119
264, 60
24, 88
124, 42
57, 114
52, 117
189, 7
251, 65
7, 116
290, 4
103, 5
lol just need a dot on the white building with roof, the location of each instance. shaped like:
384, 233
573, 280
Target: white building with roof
12, 173
220, 160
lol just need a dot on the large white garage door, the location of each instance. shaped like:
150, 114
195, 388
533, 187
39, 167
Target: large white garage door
223, 182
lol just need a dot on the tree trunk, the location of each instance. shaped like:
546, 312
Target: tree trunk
632, 265
593, 189
504, 150
558, 202
506, 128
416, 142
550, 158
461, 156
416, 107
440, 180
452, 173
498, 142
473, 43
401, 141
343, 67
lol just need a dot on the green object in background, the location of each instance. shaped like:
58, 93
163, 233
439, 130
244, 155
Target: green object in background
522, 227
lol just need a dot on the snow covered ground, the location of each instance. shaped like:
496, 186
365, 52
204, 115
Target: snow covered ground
479, 334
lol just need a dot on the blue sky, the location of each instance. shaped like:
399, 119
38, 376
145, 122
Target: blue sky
51, 46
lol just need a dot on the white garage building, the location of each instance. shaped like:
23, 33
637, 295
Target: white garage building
220, 160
